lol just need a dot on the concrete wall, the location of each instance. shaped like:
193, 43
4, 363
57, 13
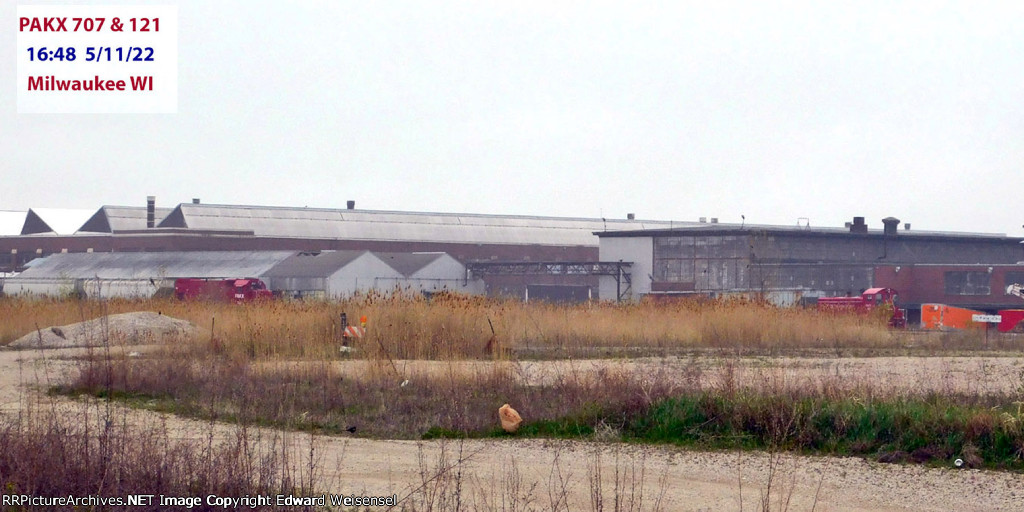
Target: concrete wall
640, 251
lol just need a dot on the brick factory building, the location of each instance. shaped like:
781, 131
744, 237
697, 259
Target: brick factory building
794, 265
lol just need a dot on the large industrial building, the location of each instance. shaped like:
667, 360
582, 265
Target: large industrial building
327, 274
194, 226
534, 257
792, 265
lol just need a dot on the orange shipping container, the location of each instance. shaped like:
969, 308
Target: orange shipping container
943, 317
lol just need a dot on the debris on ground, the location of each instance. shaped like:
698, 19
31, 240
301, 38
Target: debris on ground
510, 419
136, 328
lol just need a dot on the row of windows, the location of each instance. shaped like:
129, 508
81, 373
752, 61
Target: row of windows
976, 282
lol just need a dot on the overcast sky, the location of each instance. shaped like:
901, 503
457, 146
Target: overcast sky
672, 110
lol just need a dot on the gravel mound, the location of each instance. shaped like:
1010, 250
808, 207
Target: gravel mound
137, 328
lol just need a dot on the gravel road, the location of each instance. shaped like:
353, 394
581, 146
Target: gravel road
546, 474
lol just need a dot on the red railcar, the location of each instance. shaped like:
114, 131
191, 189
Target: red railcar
871, 299
225, 290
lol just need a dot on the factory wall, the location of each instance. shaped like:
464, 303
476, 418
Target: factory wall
639, 251
792, 266
970, 286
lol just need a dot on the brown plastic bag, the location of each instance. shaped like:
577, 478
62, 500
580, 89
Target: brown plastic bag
510, 419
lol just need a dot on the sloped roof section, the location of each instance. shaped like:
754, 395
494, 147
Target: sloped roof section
313, 264
11, 222
397, 226
120, 218
58, 221
154, 265
408, 264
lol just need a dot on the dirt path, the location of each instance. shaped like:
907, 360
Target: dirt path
546, 472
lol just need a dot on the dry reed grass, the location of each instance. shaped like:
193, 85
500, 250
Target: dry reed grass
458, 327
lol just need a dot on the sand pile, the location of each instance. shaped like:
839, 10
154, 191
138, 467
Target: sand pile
137, 328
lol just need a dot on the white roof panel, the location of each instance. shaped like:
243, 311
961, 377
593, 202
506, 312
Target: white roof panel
62, 221
11, 222
399, 226
155, 265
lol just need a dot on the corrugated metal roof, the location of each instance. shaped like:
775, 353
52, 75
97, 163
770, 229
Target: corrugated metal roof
398, 226
11, 222
319, 264
59, 221
120, 218
142, 265
726, 229
408, 264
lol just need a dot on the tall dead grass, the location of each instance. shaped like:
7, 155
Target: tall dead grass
457, 327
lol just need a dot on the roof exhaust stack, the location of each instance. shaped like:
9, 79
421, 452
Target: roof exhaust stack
892, 225
858, 225
351, 205
150, 211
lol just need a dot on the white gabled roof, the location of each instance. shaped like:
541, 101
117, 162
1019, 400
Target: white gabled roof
11, 222
60, 221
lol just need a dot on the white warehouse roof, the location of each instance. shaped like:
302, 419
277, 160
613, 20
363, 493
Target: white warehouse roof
154, 265
288, 222
11, 222
59, 221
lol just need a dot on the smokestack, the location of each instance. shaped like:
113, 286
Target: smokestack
351, 205
150, 211
858, 225
195, 200
892, 225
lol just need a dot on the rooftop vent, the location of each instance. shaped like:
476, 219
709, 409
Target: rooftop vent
703, 220
150, 211
630, 216
858, 225
892, 225
351, 205
195, 200
714, 220
906, 226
